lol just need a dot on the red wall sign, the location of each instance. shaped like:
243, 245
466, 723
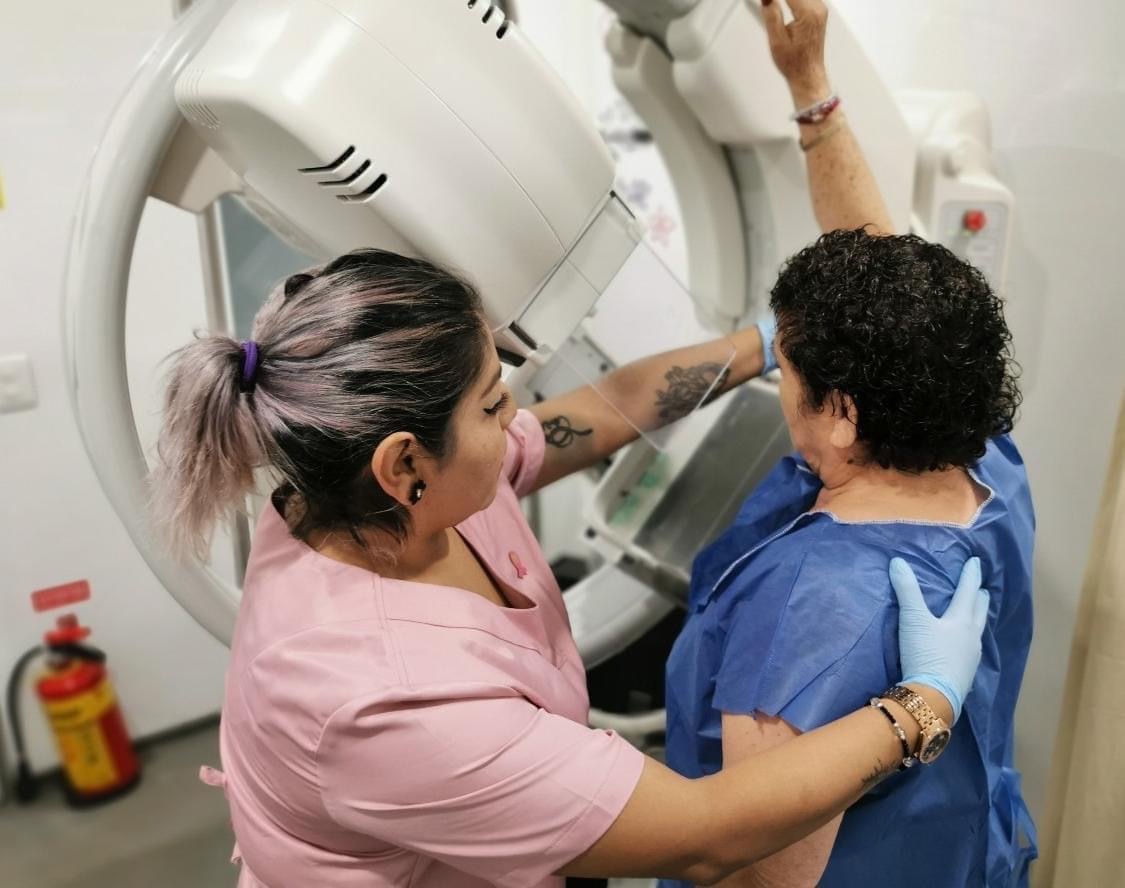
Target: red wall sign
60, 596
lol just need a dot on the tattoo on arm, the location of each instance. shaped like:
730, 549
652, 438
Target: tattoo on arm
687, 387
561, 433
878, 774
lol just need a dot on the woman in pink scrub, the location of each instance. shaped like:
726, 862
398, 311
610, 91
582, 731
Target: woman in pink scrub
405, 704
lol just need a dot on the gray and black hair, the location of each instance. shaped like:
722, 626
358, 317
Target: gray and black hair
370, 344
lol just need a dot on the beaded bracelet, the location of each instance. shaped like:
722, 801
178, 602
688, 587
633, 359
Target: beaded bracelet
907, 756
817, 112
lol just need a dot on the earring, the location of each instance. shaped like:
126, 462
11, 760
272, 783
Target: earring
416, 492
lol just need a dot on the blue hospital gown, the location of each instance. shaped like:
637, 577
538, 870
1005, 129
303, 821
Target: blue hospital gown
792, 614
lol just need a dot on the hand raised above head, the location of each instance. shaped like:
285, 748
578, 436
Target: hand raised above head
797, 47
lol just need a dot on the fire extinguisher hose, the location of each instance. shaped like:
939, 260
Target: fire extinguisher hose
26, 787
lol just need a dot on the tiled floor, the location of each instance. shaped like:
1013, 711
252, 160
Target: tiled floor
170, 832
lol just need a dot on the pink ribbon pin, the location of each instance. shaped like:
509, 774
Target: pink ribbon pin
521, 571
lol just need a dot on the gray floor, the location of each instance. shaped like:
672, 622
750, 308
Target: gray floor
171, 831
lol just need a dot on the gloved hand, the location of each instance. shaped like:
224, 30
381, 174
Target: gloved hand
941, 653
767, 328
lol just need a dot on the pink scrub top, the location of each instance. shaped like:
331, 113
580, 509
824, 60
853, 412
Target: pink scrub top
377, 732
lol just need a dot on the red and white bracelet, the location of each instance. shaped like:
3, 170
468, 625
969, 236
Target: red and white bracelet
817, 113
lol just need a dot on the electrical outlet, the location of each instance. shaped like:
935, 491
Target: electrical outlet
17, 384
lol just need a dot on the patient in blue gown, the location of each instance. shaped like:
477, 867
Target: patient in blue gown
898, 390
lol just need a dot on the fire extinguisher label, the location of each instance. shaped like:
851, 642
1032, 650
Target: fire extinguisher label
77, 725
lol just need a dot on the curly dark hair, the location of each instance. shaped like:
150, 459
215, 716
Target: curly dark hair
914, 335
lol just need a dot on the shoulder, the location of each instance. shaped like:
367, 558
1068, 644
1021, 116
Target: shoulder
1002, 466
295, 683
400, 686
807, 630
829, 582
790, 485
816, 552
1002, 470
311, 634
780, 498
291, 591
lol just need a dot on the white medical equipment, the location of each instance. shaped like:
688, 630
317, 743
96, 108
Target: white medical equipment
433, 127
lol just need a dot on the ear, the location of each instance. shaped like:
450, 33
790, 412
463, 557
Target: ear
844, 418
395, 466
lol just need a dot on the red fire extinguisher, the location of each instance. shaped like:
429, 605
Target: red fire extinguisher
97, 755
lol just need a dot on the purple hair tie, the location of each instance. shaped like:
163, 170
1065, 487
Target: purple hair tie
249, 365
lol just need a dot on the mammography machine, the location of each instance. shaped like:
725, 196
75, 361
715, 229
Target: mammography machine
435, 128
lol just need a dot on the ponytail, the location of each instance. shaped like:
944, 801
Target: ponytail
209, 444
371, 344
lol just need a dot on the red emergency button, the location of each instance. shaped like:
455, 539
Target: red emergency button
974, 220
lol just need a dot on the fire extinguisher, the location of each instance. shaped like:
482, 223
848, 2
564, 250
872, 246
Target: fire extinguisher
98, 759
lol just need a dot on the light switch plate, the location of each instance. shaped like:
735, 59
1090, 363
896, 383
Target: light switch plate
17, 384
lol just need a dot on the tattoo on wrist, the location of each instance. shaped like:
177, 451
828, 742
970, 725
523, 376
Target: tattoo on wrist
878, 774
687, 387
560, 433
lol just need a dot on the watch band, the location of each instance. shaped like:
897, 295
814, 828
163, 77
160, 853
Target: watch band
935, 732
916, 705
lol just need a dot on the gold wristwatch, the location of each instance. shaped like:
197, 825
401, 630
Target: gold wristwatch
935, 732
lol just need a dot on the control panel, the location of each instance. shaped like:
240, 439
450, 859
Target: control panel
958, 199
976, 231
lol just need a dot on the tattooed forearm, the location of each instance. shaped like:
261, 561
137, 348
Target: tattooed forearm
719, 386
686, 388
877, 775
561, 433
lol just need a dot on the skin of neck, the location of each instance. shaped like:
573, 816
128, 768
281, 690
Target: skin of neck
423, 548
861, 489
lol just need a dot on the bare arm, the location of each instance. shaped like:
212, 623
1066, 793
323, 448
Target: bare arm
844, 192
583, 429
704, 830
801, 865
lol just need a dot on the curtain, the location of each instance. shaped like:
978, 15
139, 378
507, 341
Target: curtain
1082, 836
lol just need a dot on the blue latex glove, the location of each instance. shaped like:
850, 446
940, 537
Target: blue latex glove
767, 327
941, 653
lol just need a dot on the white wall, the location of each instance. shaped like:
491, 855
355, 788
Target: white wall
63, 67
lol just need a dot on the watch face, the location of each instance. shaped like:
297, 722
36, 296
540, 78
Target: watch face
935, 747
